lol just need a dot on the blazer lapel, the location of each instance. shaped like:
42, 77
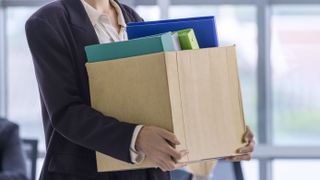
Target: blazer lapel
83, 35
80, 23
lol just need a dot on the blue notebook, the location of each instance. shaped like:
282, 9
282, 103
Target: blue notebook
204, 28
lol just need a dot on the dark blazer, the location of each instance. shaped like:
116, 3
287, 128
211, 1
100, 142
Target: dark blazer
12, 165
57, 34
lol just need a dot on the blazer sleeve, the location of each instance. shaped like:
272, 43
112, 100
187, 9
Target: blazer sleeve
13, 164
69, 114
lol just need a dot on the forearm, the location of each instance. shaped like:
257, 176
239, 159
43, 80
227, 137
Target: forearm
89, 128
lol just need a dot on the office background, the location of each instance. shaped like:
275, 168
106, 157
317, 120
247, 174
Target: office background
278, 43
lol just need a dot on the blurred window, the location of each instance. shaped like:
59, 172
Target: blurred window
296, 75
148, 13
296, 169
23, 95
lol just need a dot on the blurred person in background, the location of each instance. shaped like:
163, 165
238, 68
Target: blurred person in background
12, 164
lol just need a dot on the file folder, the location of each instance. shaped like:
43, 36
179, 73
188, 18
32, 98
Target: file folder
204, 28
188, 39
176, 41
146, 45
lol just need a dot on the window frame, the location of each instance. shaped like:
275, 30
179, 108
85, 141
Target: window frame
3, 65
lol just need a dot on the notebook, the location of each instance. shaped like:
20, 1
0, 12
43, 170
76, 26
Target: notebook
204, 29
146, 45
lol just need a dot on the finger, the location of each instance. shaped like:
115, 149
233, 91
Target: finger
169, 136
246, 157
162, 165
244, 150
247, 149
171, 164
176, 155
248, 136
173, 153
228, 158
158, 164
183, 153
162, 169
253, 142
180, 165
168, 163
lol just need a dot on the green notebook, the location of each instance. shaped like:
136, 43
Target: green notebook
142, 46
188, 39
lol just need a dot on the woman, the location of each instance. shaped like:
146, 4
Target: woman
12, 165
57, 34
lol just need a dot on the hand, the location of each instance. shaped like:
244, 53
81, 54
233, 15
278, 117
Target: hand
158, 145
246, 151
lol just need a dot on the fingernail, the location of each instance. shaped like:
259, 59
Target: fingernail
178, 142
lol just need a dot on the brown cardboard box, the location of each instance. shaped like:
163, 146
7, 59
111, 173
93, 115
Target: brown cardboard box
193, 93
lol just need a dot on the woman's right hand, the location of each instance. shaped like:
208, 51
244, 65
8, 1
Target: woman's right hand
155, 143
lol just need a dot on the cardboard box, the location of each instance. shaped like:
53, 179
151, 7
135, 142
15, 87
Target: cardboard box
193, 93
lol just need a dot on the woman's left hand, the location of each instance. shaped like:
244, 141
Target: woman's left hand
246, 151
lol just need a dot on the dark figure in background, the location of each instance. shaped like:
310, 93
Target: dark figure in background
12, 164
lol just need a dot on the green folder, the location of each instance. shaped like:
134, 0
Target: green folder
142, 46
188, 39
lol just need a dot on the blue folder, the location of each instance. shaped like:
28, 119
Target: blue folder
204, 28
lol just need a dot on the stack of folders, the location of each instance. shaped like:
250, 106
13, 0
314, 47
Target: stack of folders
158, 36
170, 41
